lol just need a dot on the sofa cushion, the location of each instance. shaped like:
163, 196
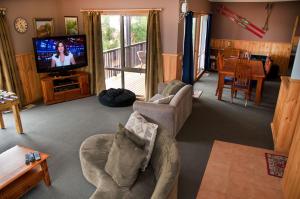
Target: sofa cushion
172, 88
160, 99
146, 130
125, 158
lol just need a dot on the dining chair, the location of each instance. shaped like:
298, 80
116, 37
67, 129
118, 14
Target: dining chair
241, 81
220, 65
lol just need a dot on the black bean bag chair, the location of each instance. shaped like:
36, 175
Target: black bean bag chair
116, 97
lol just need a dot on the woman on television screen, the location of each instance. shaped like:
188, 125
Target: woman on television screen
62, 57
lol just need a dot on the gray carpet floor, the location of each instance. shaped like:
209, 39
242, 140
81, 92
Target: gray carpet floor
59, 130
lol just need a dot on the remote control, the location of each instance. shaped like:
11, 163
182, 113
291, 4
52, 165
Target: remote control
31, 157
27, 158
36, 155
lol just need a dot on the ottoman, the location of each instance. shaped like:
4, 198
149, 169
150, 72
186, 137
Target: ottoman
116, 97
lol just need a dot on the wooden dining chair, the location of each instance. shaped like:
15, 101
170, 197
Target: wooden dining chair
241, 81
221, 62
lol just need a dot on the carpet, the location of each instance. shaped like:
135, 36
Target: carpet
275, 164
59, 130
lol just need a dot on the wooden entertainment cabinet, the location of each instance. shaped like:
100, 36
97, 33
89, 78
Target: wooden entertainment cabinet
64, 88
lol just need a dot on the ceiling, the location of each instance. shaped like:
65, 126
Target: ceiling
251, 0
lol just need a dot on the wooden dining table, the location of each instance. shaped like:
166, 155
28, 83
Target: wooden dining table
257, 74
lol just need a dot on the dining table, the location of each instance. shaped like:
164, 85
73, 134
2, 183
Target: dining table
257, 74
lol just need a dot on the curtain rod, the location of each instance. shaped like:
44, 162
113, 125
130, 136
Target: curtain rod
120, 10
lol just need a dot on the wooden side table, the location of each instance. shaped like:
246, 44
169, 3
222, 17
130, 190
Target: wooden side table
16, 178
14, 105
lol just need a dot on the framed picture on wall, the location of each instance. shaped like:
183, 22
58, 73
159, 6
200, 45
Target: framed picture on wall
44, 27
71, 25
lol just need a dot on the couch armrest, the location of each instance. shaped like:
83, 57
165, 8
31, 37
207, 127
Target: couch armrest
161, 114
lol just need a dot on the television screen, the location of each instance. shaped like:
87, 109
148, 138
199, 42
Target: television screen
54, 54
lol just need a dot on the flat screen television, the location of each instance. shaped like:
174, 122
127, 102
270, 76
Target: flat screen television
60, 54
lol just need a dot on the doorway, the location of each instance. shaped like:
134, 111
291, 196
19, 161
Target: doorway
124, 51
200, 24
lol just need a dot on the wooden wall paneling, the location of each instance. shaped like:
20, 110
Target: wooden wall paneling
286, 115
279, 107
280, 52
29, 77
172, 66
291, 178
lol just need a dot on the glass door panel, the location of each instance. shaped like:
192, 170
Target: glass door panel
124, 51
135, 35
202, 48
111, 50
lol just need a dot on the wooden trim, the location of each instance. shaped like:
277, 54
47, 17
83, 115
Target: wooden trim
296, 24
172, 66
121, 11
291, 178
286, 114
30, 79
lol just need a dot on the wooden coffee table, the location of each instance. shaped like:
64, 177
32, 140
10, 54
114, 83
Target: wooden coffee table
16, 178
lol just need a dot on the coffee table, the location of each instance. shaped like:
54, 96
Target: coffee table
16, 178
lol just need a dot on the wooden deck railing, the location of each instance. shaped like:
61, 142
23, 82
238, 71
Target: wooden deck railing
112, 58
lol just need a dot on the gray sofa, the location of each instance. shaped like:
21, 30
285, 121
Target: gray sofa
159, 181
170, 116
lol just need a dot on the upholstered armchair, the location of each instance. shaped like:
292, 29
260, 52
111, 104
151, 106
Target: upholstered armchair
159, 181
170, 116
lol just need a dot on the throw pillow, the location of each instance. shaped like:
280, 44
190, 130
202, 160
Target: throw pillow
125, 158
163, 100
146, 130
172, 88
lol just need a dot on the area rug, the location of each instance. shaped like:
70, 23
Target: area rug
275, 164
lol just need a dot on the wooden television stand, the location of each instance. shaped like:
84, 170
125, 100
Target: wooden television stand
64, 88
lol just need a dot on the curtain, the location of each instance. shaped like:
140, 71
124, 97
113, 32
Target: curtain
207, 44
9, 75
154, 69
188, 59
92, 29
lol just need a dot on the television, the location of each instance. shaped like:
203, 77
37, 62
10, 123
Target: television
60, 54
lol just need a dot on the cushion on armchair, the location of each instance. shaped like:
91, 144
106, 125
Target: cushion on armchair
125, 157
172, 87
145, 130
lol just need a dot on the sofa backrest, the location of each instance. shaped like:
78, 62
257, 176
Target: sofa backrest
184, 92
165, 162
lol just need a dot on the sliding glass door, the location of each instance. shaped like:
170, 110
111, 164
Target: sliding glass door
124, 46
200, 24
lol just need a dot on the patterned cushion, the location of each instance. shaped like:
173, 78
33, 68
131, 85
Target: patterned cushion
160, 99
172, 88
125, 158
146, 130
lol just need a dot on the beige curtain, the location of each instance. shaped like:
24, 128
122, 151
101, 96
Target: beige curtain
9, 75
154, 69
92, 29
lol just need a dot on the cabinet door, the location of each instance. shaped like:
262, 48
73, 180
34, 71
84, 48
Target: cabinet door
84, 84
48, 93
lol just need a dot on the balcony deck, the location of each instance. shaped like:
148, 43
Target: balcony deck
133, 81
